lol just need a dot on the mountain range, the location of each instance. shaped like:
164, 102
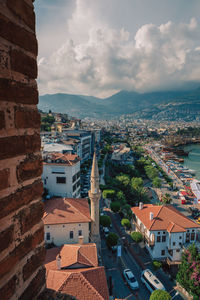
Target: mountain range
170, 105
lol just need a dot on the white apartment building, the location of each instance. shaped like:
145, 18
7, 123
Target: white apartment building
65, 220
61, 175
165, 230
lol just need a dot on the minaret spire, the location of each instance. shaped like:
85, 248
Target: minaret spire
95, 195
94, 176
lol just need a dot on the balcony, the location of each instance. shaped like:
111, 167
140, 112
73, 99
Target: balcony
172, 262
147, 240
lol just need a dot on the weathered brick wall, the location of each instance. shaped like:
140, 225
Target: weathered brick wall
22, 275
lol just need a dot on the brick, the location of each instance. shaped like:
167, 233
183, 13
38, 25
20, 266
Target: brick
30, 242
13, 91
34, 262
31, 167
9, 288
30, 216
4, 178
2, 120
22, 63
18, 145
23, 11
18, 35
21, 197
6, 237
35, 286
27, 118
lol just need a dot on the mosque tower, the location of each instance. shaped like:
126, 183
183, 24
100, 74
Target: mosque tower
95, 195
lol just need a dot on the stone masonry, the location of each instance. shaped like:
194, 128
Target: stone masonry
22, 275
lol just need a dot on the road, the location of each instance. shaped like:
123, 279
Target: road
114, 268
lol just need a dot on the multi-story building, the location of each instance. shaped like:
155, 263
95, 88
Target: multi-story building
65, 220
85, 138
61, 174
166, 231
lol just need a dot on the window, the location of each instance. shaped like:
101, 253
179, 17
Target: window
178, 250
74, 187
192, 236
80, 232
192, 230
164, 232
174, 243
60, 179
79, 224
158, 232
63, 225
48, 236
45, 181
158, 239
164, 238
74, 178
71, 234
162, 252
180, 237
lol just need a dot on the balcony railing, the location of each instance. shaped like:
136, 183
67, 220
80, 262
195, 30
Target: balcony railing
150, 242
172, 262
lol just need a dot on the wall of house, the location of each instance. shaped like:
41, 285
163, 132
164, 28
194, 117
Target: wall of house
60, 189
60, 234
22, 252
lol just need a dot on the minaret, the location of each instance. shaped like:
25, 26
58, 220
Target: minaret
95, 195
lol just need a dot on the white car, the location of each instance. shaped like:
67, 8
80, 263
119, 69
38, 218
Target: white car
130, 278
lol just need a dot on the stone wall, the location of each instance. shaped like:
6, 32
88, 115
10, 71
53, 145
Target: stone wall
22, 252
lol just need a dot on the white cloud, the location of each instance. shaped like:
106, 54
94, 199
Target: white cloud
99, 60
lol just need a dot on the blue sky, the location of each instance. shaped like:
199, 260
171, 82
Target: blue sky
98, 47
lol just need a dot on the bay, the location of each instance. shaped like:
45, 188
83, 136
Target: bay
192, 161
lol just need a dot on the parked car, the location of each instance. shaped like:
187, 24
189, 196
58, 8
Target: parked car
130, 278
195, 212
106, 231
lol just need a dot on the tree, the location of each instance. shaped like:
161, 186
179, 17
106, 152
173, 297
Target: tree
126, 223
136, 183
157, 182
112, 239
126, 210
121, 197
105, 221
115, 206
123, 181
137, 236
151, 172
160, 295
157, 265
188, 275
109, 194
166, 199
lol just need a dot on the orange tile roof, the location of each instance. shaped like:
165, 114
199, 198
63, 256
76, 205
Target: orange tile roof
56, 158
66, 210
88, 283
72, 254
166, 217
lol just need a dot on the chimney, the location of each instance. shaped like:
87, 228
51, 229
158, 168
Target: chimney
58, 261
151, 216
141, 205
81, 240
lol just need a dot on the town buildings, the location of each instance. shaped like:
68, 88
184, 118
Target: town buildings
65, 220
166, 231
61, 175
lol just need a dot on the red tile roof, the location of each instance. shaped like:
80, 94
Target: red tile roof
60, 158
72, 254
87, 283
165, 217
66, 210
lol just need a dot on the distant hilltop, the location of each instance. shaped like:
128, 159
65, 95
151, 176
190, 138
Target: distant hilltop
166, 105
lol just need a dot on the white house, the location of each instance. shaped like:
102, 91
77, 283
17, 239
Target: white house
65, 220
165, 230
61, 174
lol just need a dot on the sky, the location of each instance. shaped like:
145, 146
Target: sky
99, 47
